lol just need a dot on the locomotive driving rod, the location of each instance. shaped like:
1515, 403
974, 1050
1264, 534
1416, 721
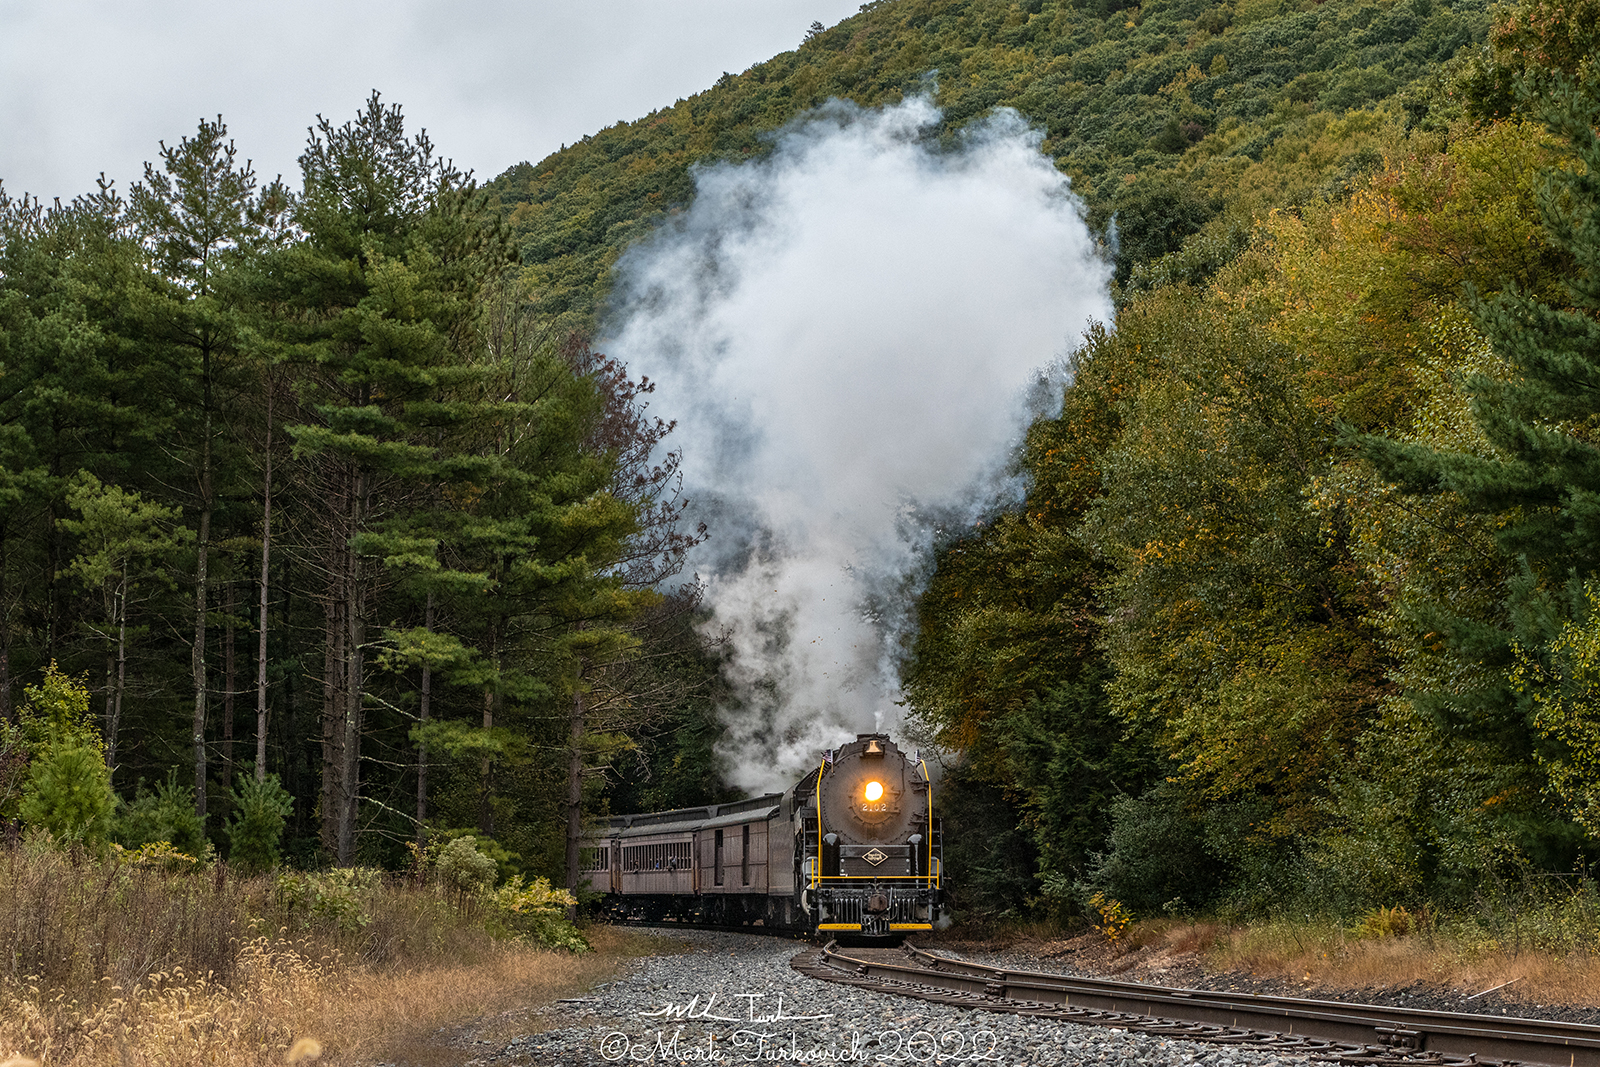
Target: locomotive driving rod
1328, 1030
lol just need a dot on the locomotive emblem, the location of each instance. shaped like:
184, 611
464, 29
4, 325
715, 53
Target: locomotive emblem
875, 857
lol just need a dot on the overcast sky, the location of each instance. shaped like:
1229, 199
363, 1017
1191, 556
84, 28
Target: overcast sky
92, 85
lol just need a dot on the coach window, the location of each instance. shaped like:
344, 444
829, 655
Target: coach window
744, 857
716, 862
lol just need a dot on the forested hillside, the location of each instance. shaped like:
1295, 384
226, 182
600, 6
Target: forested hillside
1167, 113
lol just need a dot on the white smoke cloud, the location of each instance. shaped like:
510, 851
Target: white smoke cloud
847, 331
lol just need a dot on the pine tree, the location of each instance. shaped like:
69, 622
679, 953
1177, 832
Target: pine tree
385, 276
86, 388
445, 472
126, 545
198, 214
68, 786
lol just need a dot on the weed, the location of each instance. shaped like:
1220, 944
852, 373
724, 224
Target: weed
1114, 916
1385, 922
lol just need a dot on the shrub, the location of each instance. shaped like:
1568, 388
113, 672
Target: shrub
67, 789
1114, 916
57, 712
1157, 853
1385, 922
536, 911
68, 793
340, 897
159, 855
461, 867
255, 829
165, 815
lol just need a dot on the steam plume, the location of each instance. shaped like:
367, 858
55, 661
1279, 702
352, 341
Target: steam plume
846, 332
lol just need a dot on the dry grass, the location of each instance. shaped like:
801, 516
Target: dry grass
1539, 939
111, 965
498, 995
1333, 956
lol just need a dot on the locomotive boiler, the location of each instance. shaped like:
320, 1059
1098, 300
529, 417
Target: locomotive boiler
851, 849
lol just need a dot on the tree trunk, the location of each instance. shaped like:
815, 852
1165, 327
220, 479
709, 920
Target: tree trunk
261, 639
575, 732
5, 659
111, 705
114, 698
5, 639
58, 556
122, 676
350, 792
197, 654
229, 683
486, 770
333, 696
423, 711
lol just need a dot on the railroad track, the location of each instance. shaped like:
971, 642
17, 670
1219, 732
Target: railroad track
1318, 1029
720, 928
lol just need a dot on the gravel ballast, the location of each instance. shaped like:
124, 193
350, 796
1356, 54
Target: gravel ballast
732, 998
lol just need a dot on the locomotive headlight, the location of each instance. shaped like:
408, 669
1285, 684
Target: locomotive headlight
874, 791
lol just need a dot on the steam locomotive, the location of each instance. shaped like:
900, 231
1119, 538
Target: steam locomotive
851, 849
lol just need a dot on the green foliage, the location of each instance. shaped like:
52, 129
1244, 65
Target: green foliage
359, 355
1193, 264
261, 809
1532, 472
990, 852
1531, 46
535, 911
1157, 855
1563, 679
340, 898
68, 793
120, 535
460, 867
1066, 759
1151, 218
516, 908
1168, 108
165, 814
1236, 629
1522, 908
67, 790
57, 711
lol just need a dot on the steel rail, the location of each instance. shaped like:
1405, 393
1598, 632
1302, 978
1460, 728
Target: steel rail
790, 933
1332, 1030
